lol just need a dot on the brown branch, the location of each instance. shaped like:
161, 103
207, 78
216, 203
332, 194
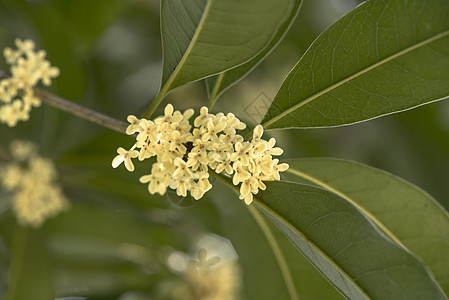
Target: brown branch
75, 109
80, 111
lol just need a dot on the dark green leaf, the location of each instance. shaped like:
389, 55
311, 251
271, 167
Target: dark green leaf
262, 249
4, 266
344, 245
383, 57
219, 84
202, 38
30, 275
408, 214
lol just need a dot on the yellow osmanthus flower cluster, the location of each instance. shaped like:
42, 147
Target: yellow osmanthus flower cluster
31, 179
185, 154
208, 279
16, 92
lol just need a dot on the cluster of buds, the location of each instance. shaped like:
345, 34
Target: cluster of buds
31, 180
185, 154
16, 92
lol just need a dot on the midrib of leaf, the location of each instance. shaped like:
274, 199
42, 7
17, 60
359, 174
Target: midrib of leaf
355, 75
311, 244
276, 251
347, 198
166, 88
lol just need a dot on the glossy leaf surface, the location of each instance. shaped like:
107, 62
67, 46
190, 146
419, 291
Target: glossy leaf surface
408, 213
344, 245
257, 240
381, 58
202, 38
218, 84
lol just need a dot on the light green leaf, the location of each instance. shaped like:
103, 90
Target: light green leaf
217, 85
407, 213
202, 38
30, 275
344, 245
272, 267
381, 58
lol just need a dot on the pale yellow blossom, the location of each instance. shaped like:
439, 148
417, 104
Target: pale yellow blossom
209, 279
134, 125
125, 156
185, 155
31, 179
28, 68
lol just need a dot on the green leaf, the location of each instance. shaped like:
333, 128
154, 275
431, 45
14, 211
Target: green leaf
284, 272
344, 245
407, 213
4, 266
381, 58
217, 85
30, 276
202, 38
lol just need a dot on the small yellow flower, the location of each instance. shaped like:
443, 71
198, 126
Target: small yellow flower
223, 163
178, 141
155, 185
169, 116
182, 171
134, 125
257, 133
213, 130
241, 174
203, 118
125, 156
242, 152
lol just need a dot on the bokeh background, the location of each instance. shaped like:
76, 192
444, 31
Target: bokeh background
119, 242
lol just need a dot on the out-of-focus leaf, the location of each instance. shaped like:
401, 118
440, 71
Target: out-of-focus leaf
106, 249
405, 211
87, 24
345, 245
260, 245
217, 85
30, 272
202, 38
383, 57
4, 267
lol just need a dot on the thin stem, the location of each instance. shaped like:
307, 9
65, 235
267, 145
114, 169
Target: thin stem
162, 93
75, 109
80, 111
214, 94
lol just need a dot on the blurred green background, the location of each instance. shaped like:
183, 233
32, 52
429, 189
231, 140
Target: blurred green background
116, 241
